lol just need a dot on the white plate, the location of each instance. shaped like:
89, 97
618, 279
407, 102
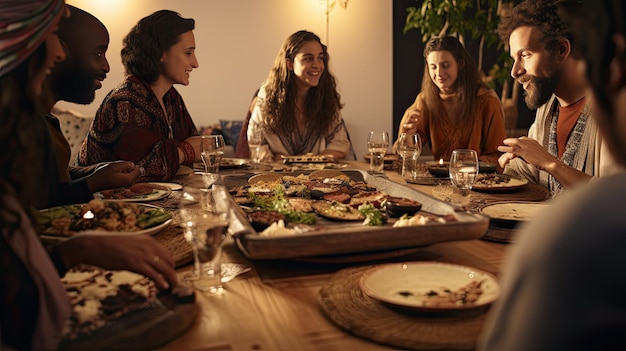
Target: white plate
157, 194
407, 285
171, 186
512, 211
149, 231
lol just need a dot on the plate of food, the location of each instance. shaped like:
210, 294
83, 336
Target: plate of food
495, 182
139, 192
228, 163
430, 286
128, 313
99, 217
512, 212
308, 158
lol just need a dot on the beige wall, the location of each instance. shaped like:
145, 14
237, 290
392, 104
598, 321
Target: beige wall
237, 41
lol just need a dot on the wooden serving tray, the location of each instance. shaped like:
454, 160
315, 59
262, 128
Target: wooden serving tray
140, 330
353, 237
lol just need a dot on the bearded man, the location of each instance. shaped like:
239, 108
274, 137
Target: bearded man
563, 147
76, 80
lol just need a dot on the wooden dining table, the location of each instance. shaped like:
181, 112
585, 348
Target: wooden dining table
276, 305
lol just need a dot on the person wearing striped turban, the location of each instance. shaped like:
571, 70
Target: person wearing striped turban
34, 306
33, 303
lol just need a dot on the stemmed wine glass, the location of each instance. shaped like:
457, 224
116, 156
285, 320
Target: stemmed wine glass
463, 170
377, 145
410, 149
212, 150
204, 216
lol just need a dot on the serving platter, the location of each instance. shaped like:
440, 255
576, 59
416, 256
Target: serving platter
333, 237
145, 329
430, 286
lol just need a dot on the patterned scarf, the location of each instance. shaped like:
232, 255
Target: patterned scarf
571, 148
24, 25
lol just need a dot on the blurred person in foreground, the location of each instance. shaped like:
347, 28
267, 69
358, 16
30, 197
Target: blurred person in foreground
563, 147
564, 285
144, 119
455, 109
75, 80
298, 108
34, 306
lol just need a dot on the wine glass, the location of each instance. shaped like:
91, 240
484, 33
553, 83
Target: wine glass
205, 231
463, 171
377, 145
410, 149
211, 151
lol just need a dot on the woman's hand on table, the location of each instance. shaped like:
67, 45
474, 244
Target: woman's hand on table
138, 253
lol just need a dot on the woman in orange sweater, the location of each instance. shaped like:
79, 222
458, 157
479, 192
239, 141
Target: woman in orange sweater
455, 109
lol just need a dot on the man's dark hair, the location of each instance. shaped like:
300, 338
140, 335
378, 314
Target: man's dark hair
541, 14
593, 24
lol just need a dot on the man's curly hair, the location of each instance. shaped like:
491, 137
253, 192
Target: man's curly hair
541, 14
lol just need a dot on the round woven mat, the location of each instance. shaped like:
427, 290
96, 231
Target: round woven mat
345, 304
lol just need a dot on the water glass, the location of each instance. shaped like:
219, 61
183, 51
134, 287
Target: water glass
409, 149
205, 232
377, 145
254, 144
463, 171
212, 150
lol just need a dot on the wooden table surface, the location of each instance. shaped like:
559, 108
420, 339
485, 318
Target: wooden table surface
275, 306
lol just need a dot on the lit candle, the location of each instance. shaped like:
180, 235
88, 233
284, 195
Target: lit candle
88, 215
441, 161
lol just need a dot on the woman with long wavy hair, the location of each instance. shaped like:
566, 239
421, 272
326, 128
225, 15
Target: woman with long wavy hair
298, 108
455, 109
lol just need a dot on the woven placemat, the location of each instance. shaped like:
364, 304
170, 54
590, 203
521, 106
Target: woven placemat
345, 304
172, 239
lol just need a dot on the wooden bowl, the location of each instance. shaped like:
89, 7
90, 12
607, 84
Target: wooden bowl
439, 169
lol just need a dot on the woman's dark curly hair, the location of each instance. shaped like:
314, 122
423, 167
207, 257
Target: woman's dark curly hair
322, 104
146, 42
541, 14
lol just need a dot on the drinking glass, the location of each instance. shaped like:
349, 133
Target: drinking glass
212, 150
205, 231
254, 145
463, 171
377, 145
410, 149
